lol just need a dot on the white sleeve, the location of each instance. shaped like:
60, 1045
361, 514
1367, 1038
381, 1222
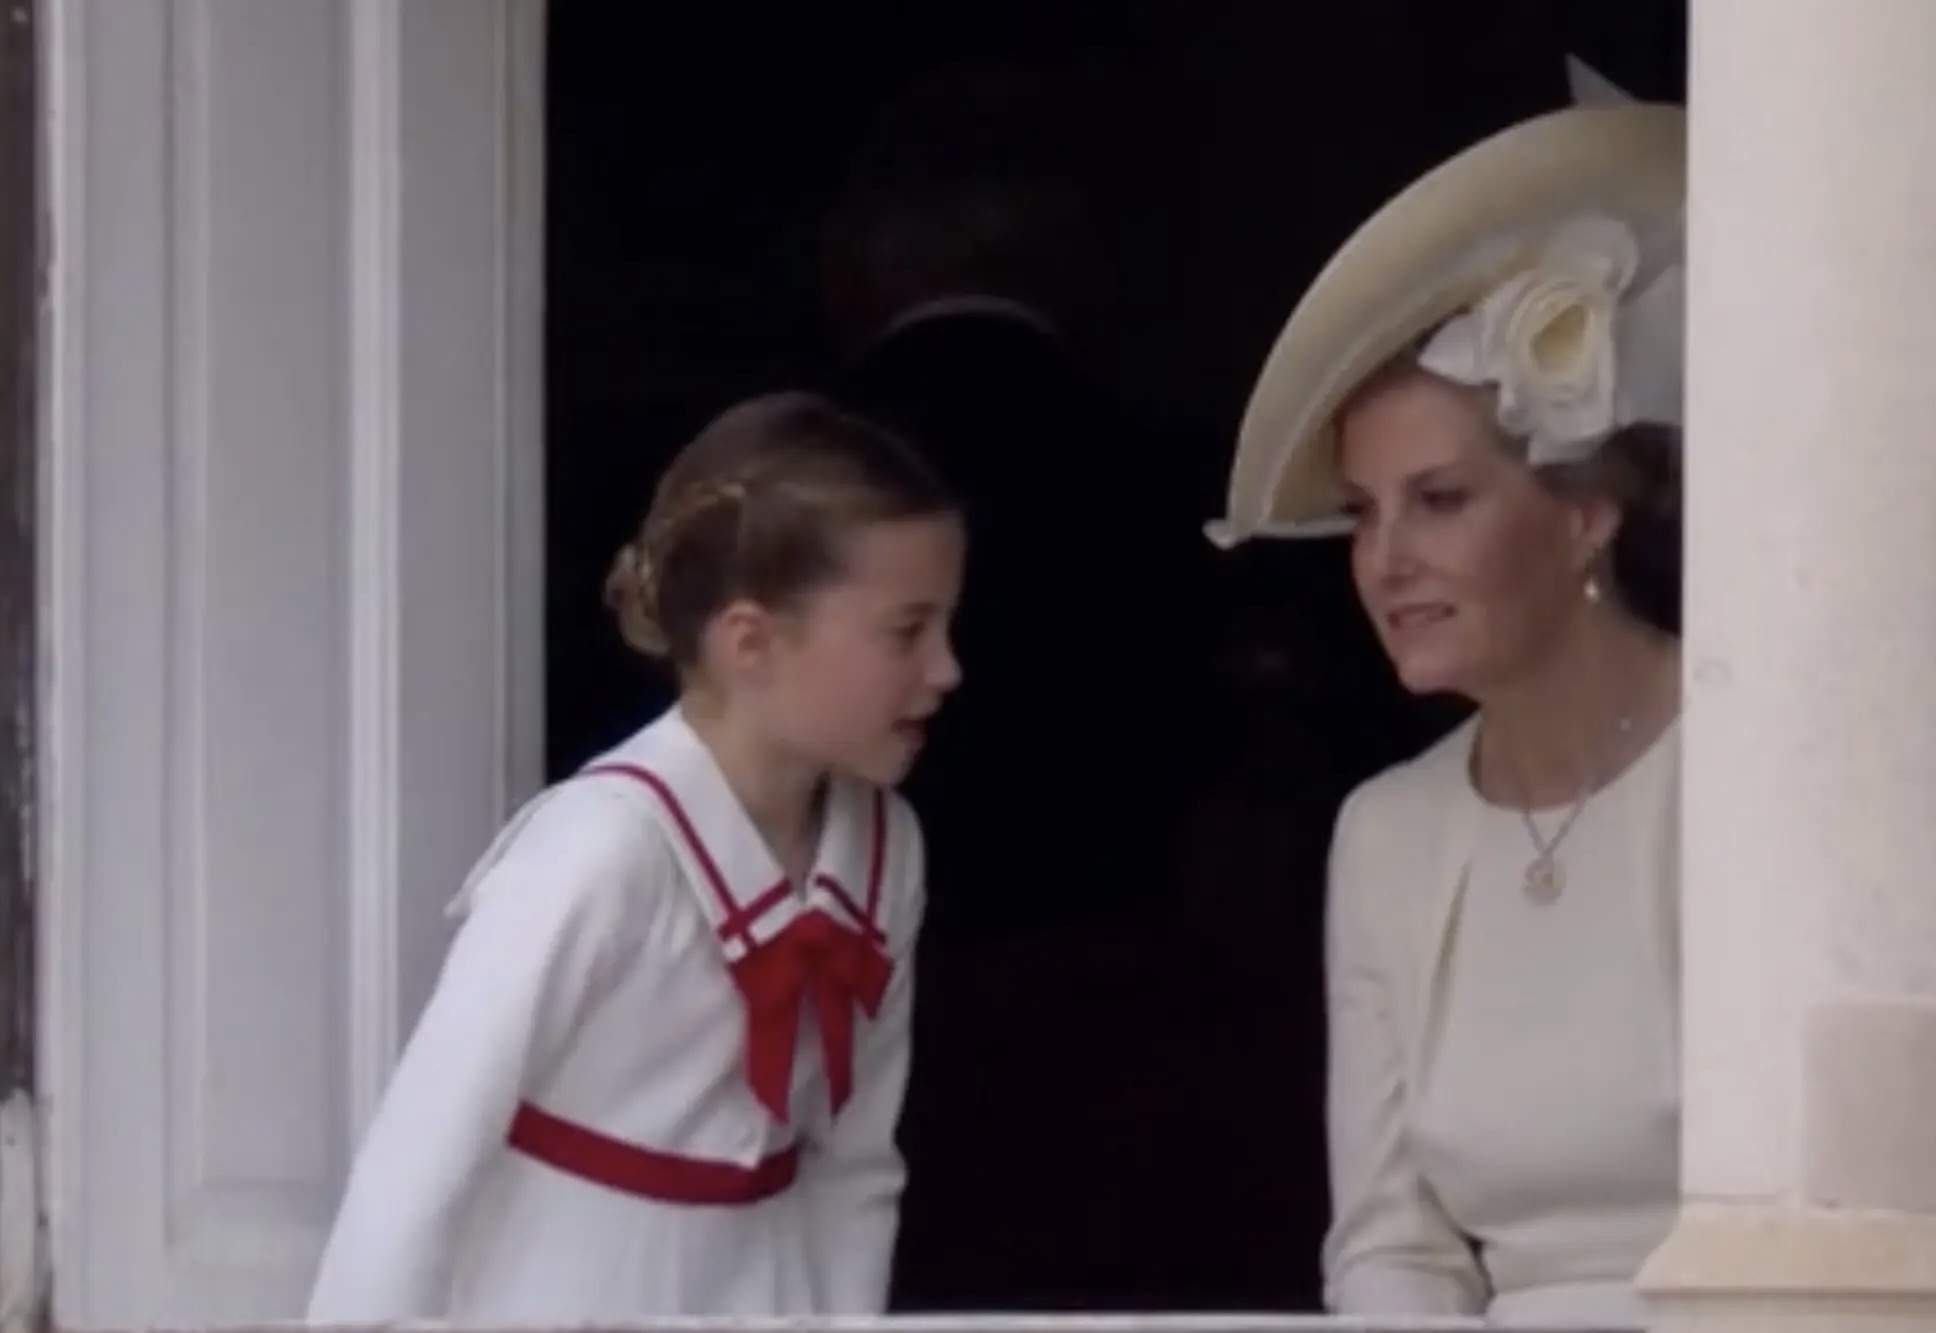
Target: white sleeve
1391, 1249
543, 939
851, 1168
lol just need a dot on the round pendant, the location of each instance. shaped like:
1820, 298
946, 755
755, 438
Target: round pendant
1545, 877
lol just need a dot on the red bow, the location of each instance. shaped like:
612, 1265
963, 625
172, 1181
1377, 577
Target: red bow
841, 969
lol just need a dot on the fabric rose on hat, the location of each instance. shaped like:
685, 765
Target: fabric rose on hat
1547, 339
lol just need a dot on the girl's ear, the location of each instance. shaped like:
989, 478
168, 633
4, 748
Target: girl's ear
742, 639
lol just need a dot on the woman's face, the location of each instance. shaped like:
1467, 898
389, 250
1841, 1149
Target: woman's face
1470, 569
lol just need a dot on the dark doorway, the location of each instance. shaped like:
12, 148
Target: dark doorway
19, 371
1155, 1136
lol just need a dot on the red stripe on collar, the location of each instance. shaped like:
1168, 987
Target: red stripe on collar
715, 880
864, 920
739, 920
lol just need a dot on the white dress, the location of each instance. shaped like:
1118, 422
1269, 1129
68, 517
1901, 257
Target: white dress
607, 1111
1522, 1157
1553, 1081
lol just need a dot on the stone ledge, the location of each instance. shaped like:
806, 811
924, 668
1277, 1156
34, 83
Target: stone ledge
1793, 1269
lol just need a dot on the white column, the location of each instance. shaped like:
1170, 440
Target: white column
290, 550
1810, 806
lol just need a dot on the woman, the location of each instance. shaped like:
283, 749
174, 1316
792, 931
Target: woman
1483, 388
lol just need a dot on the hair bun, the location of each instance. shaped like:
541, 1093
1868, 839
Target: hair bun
631, 593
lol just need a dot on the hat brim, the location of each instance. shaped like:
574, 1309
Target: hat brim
1436, 248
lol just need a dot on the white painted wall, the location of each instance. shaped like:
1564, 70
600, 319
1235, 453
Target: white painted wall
291, 523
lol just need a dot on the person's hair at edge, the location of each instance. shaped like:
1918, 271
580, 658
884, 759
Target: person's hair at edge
1637, 467
757, 507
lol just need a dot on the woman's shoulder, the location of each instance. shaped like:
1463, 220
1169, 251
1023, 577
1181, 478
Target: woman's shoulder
1391, 834
1421, 785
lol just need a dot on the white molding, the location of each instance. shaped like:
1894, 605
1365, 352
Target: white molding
60, 530
23, 1269
186, 1022
522, 478
153, 390
375, 588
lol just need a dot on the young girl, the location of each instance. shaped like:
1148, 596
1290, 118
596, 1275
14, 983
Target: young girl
662, 1067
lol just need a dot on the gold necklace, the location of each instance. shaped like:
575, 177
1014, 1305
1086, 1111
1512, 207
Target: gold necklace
1545, 878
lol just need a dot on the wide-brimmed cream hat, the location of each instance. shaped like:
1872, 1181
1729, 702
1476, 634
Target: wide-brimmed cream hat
1448, 242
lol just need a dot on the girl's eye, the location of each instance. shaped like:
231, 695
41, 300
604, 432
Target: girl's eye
1354, 511
1444, 499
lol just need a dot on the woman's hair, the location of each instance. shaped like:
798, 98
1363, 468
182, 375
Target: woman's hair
756, 507
1638, 467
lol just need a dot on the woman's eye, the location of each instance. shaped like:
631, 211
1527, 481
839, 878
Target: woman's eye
1443, 500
